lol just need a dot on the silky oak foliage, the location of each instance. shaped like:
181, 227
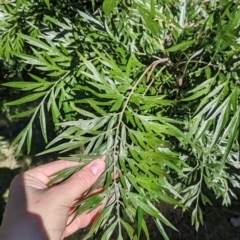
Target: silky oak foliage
153, 85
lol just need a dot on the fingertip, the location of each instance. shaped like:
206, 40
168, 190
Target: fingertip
97, 166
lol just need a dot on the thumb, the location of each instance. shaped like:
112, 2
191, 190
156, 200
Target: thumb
81, 181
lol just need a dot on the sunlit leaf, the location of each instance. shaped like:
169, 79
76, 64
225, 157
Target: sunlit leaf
109, 5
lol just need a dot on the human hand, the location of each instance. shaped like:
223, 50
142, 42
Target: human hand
35, 211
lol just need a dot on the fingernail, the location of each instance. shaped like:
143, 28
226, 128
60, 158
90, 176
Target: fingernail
97, 167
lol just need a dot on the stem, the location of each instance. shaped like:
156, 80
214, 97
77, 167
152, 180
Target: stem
37, 109
48, 94
115, 158
150, 84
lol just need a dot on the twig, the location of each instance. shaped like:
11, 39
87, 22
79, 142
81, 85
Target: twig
152, 67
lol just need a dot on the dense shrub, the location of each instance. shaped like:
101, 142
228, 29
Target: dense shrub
153, 85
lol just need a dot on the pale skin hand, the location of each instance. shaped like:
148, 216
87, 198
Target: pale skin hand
37, 212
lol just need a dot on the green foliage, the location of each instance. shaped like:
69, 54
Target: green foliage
153, 85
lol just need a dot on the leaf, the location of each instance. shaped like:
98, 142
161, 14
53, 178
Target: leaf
98, 144
118, 103
109, 5
161, 229
37, 43
81, 111
29, 139
26, 99
43, 122
54, 109
212, 114
64, 147
182, 8
20, 85
205, 84
89, 18
38, 79
102, 216
180, 46
58, 23
149, 208
193, 56
109, 231
196, 95
145, 229
23, 114
139, 220
96, 76
151, 24
89, 203
96, 108
200, 131
47, 3
129, 229
20, 139
233, 135
90, 145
